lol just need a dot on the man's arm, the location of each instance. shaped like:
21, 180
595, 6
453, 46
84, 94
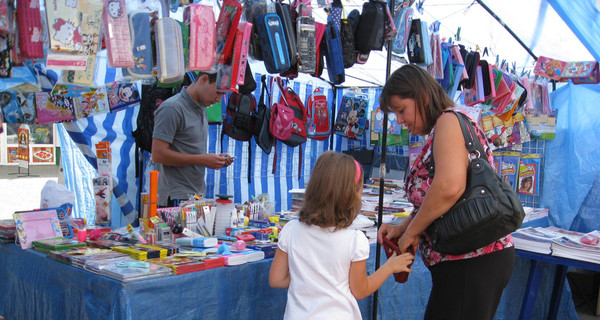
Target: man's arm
161, 153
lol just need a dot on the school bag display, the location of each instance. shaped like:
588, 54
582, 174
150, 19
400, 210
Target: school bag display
319, 125
273, 42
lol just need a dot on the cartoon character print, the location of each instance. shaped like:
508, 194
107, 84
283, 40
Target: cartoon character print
114, 9
356, 113
127, 92
67, 33
352, 127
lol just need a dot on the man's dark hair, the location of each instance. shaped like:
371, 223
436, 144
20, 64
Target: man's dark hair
212, 76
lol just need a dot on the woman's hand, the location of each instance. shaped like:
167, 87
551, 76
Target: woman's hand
408, 242
390, 231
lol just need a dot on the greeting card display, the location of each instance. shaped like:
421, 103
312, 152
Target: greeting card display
36, 225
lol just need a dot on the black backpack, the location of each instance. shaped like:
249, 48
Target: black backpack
261, 132
238, 122
152, 97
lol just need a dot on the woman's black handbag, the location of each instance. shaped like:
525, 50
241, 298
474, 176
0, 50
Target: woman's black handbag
487, 211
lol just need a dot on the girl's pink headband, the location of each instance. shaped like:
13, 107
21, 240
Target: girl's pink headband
358, 170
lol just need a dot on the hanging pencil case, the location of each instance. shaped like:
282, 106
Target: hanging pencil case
283, 11
64, 21
240, 57
333, 55
272, 42
139, 24
306, 47
91, 26
169, 50
229, 17
117, 37
202, 37
31, 34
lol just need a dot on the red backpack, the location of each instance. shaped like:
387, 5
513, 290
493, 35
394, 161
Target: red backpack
319, 125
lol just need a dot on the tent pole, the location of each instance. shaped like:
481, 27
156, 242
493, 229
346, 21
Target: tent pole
382, 169
507, 29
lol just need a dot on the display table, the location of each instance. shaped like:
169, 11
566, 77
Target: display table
33, 286
540, 262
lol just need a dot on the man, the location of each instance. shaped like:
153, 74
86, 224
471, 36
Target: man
179, 141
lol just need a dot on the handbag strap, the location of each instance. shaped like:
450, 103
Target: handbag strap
471, 141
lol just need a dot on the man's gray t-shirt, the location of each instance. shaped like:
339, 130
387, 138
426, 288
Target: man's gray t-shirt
182, 123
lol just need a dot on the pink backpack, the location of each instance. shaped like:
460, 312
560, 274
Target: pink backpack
282, 117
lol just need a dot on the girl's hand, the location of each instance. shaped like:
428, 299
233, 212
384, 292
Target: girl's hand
400, 263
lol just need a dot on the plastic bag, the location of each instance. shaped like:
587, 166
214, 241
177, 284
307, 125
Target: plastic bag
56, 195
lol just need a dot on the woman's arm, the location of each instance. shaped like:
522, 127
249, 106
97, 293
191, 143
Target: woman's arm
279, 275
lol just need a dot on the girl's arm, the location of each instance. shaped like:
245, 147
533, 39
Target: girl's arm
363, 286
279, 275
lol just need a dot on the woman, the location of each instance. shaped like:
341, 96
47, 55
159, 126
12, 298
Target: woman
467, 286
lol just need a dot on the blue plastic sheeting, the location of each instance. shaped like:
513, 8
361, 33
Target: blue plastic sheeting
36, 287
583, 17
572, 163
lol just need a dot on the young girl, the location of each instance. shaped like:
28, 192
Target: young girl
320, 260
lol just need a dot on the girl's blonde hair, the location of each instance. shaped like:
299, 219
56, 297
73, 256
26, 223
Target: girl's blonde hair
332, 197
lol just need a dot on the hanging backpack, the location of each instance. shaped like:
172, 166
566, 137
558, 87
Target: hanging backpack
319, 125
369, 31
289, 117
288, 121
262, 135
238, 122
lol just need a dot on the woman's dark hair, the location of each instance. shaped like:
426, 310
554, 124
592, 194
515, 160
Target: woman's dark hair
332, 197
413, 82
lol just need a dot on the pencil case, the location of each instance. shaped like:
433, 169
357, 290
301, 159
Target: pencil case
64, 21
169, 50
139, 26
229, 17
31, 34
202, 37
117, 37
